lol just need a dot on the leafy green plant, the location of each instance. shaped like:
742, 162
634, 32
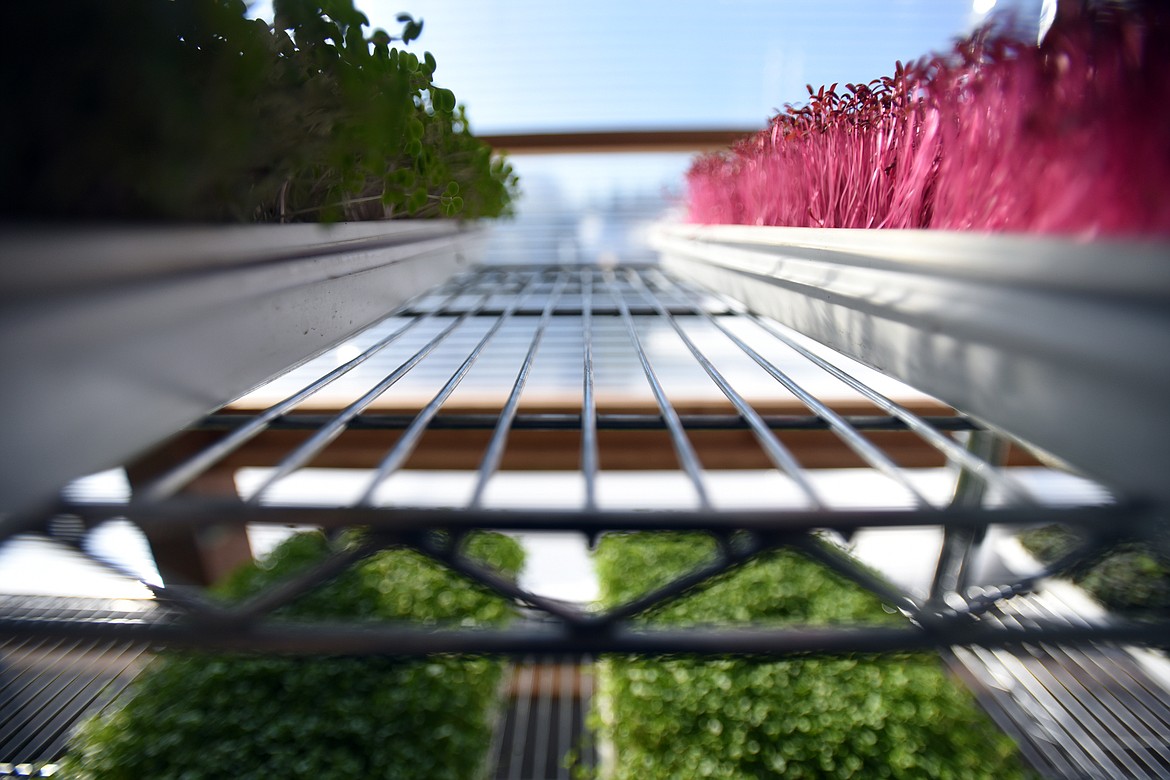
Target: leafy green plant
895, 716
188, 110
1129, 577
206, 716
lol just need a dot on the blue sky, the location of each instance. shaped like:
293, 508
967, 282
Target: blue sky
550, 65
541, 65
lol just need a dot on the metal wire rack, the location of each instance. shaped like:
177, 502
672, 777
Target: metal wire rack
46, 687
581, 309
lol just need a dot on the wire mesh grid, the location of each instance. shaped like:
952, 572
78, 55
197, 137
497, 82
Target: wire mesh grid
603, 326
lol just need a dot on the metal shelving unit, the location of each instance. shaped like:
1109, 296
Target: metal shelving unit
632, 303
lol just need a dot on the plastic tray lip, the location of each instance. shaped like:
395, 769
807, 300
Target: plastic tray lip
49, 259
115, 338
1060, 343
1137, 267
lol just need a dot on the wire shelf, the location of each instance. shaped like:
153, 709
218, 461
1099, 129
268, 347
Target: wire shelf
717, 388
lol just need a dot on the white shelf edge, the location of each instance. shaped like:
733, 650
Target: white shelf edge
113, 339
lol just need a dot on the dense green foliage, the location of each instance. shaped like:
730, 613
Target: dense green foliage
187, 110
1129, 577
203, 716
807, 717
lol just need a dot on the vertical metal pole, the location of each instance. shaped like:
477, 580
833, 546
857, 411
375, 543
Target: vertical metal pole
589, 456
960, 543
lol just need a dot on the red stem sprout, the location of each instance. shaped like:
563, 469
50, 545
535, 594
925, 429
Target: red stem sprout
1069, 137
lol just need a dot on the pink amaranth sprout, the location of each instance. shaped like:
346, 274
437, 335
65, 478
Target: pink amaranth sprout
1070, 137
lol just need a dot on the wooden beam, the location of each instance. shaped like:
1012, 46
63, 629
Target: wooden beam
559, 450
617, 141
187, 556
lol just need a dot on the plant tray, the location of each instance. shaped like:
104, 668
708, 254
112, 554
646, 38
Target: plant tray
1061, 344
114, 338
